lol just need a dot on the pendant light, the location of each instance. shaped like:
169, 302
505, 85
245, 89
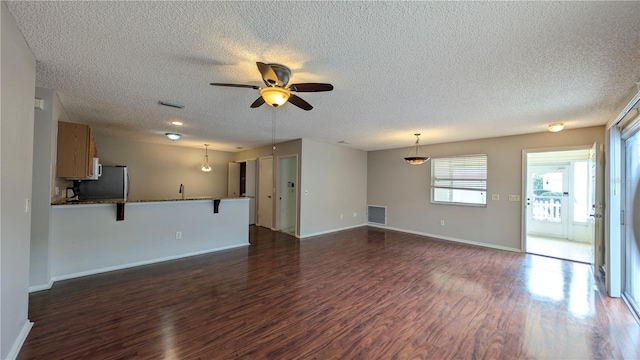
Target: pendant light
205, 164
417, 159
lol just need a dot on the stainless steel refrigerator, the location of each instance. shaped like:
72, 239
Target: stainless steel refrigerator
113, 184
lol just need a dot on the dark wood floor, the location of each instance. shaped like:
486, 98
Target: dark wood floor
357, 294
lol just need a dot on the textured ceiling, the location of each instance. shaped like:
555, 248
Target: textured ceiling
450, 70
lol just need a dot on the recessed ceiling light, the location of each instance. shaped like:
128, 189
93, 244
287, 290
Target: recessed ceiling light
178, 123
173, 136
555, 127
169, 104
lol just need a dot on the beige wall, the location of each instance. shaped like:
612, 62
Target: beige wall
332, 182
334, 188
405, 189
16, 154
156, 171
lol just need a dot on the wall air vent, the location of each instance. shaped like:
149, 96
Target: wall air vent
377, 215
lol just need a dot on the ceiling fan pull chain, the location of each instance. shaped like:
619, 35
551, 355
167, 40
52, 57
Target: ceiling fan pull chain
273, 130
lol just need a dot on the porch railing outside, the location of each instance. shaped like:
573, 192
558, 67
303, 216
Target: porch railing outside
547, 208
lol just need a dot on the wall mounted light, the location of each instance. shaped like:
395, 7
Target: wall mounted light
275, 96
205, 163
173, 136
416, 159
555, 127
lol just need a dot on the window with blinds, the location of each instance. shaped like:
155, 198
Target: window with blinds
459, 180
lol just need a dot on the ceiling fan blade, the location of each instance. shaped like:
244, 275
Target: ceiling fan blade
311, 87
259, 101
237, 85
268, 75
297, 101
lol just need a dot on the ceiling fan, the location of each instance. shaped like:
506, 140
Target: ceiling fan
277, 91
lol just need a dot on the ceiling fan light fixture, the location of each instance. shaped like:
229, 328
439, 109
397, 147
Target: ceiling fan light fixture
556, 127
205, 163
173, 136
417, 159
275, 96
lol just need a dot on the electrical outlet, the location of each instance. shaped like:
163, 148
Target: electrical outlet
27, 205
341, 216
178, 234
57, 190
495, 197
355, 214
514, 197
441, 222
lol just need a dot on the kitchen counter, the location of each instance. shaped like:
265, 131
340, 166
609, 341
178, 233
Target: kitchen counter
86, 238
115, 201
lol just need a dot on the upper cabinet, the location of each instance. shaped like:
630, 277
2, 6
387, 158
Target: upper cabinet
76, 150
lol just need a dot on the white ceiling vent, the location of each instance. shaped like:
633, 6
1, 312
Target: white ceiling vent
377, 215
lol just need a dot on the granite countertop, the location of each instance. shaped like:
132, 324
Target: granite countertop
115, 201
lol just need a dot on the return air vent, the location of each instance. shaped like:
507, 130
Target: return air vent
377, 215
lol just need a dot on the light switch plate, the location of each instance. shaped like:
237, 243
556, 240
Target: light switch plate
514, 197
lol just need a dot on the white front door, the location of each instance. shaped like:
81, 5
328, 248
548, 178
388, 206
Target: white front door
547, 195
596, 191
265, 192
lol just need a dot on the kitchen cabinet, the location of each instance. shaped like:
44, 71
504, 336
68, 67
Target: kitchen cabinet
76, 150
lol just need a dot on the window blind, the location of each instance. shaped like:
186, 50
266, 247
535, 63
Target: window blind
459, 179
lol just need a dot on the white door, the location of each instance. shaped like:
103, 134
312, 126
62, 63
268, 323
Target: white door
250, 189
547, 194
596, 190
265, 192
233, 180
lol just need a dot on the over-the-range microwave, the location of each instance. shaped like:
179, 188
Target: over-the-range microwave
97, 171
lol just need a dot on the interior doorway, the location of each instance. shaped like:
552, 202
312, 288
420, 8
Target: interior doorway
287, 194
558, 204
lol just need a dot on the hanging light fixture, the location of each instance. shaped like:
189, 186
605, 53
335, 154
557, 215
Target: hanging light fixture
275, 96
417, 159
205, 164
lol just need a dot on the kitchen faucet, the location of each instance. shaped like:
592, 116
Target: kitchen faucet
181, 191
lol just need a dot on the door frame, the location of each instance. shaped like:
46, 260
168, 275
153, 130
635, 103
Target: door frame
524, 180
279, 182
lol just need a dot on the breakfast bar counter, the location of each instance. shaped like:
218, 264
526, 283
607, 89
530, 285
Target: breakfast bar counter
86, 239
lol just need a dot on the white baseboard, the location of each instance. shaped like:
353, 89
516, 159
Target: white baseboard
47, 286
17, 345
448, 238
332, 231
140, 263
